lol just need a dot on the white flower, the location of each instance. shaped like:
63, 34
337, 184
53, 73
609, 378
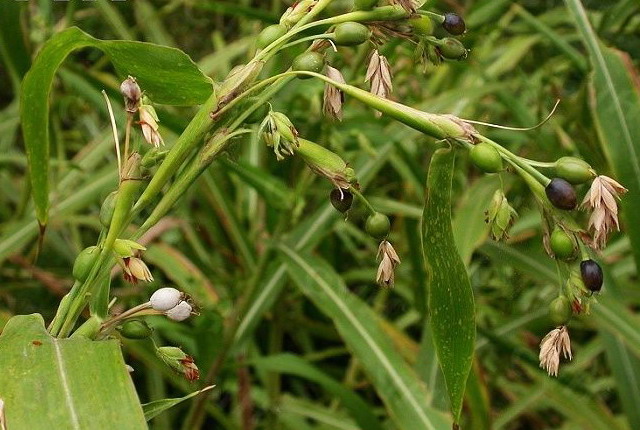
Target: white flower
601, 199
180, 312
556, 342
135, 270
388, 261
166, 298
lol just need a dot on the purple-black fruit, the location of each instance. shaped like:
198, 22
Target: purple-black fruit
561, 194
341, 199
591, 274
454, 24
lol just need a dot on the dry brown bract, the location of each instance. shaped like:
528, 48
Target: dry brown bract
149, 125
408, 5
601, 199
379, 73
388, 261
333, 97
556, 342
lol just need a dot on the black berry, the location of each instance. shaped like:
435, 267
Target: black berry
341, 199
561, 194
591, 275
454, 24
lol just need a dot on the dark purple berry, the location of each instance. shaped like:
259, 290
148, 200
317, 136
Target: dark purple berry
591, 275
341, 199
561, 194
454, 24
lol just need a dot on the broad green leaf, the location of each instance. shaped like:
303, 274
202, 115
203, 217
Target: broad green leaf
155, 408
294, 365
615, 105
397, 385
451, 306
72, 384
167, 75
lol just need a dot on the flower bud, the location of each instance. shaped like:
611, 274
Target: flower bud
486, 158
179, 361
378, 225
326, 163
422, 25
84, 262
574, 170
279, 133
351, 34
270, 34
500, 216
180, 312
126, 248
560, 311
166, 298
135, 329
132, 94
107, 208
296, 12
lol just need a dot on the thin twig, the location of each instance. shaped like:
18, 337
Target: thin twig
504, 127
127, 135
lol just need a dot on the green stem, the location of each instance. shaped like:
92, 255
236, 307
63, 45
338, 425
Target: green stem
363, 199
516, 160
307, 39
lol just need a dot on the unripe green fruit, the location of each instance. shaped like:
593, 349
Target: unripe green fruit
135, 329
574, 170
378, 225
84, 262
107, 208
452, 49
339, 7
351, 34
258, 114
422, 25
486, 158
562, 245
269, 35
560, 311
309, 62
365, 4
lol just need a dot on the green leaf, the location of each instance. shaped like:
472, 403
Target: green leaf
451, 306
397, 385
155, 408
294, 365
615, 104
72, 384
167, 75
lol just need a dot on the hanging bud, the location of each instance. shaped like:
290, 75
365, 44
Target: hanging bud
500, 216
296, 12
127, 248
179, 361
132, 94
280, 134
560, 311
378, 225
388, 261
149, 124
166, 298
326, 163
554, 344
574, 170
333, 97
180, 312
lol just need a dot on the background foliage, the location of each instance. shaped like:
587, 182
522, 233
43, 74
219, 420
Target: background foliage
320, 346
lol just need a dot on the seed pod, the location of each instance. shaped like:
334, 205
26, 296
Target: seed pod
591, 274
561, 194
270, 34
326, 163
365, 4
422, 25
454, 24
341, 199
486, 158
107, 208
339, 7
574, 170
560, 311
135, 329
84, 262
562, 245
308, 62
378, 226
351, 34
165, 298
452, 49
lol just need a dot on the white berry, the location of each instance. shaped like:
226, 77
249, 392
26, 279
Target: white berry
181, 312
165, 298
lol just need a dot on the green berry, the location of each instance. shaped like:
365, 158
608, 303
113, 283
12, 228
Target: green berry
309, 62
269, 35
351, 34
574, 170
378, 225
486, 158
135, 329
454, 24
339, 7
452, 49
84, 262
107, 208
562, 245
561, 194
560, 311
422, 25
365, 4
